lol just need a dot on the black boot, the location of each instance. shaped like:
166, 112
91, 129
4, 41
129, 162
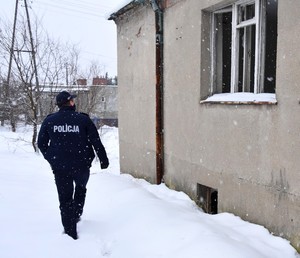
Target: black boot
79, 200
72, 232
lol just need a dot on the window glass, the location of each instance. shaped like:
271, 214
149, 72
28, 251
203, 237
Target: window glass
223, 35
271, 46
244, 48
246, 61
246, 12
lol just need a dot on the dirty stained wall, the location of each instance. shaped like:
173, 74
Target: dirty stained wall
136, 80
248, 153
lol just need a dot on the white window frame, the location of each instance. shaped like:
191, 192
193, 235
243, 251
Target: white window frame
259, 44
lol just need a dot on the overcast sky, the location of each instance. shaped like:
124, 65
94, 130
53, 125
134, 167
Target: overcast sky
82, 22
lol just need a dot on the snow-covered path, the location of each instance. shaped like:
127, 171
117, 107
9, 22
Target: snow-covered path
124, 217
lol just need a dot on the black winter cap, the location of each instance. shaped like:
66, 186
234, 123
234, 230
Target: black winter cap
63, 97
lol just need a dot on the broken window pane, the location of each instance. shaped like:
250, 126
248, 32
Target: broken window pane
244, 49
246, 12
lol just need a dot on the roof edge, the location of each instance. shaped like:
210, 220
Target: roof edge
125, 9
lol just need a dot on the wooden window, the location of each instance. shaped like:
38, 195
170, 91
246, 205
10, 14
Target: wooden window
244, 42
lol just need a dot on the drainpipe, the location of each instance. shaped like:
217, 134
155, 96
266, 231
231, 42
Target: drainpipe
159, 131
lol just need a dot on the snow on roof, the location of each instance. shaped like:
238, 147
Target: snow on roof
56, 89
118, 7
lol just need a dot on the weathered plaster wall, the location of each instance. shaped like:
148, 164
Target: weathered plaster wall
136, 80
106, 101
249, 153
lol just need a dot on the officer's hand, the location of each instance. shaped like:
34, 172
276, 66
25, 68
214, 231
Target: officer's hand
104, 164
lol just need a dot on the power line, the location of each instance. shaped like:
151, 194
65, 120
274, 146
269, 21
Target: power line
97, 54
78, 7
72, 9
82, 4
67, 13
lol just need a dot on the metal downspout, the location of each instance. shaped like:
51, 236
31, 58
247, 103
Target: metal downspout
159, 91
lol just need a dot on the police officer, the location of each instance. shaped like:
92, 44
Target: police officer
67, 140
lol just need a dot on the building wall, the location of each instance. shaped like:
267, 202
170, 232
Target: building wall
249, 153
106, 101
136, 80
49, 93
100, 102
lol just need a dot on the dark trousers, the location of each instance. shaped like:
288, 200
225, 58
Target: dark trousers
71, 199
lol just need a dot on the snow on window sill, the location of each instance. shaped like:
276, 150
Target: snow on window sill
242, 98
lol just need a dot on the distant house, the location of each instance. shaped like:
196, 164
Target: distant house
49, 92
82, 82
105, 111
209, 103
99, 101
100, 81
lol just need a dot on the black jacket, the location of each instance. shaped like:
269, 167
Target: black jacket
67, 138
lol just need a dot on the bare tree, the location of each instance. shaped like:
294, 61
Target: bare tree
28, 97
72, 63
31, 97
94, 69
8, 98
87, 95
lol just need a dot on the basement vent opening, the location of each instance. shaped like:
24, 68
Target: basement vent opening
207, 198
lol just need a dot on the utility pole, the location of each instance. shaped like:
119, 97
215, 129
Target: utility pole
34, 94
12, 46
32, 49
10, 108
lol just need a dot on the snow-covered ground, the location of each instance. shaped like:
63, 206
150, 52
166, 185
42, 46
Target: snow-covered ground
124, 217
